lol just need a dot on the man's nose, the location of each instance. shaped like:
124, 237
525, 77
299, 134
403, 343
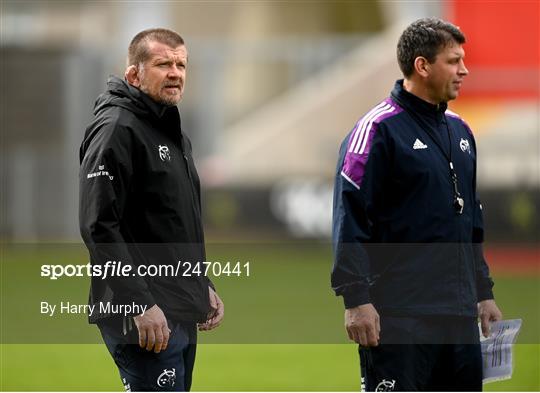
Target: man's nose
174, 72
462, 69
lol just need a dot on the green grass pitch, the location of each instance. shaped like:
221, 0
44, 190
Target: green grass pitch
283, 328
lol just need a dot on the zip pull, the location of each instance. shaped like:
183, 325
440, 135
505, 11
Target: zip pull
459, 202
453, 176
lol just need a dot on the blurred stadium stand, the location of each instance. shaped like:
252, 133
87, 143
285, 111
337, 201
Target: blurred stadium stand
272, 90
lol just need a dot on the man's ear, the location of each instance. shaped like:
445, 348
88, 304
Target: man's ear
422, 66
132, 75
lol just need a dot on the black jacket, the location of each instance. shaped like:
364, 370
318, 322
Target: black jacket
398, 240
140, 203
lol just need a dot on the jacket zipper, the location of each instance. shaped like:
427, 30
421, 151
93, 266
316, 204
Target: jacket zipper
193, 193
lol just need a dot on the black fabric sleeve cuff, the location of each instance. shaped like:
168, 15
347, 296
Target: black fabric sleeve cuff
143, 299
211, 284
356, 298
484, 289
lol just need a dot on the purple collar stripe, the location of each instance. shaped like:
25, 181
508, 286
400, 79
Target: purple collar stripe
454, 115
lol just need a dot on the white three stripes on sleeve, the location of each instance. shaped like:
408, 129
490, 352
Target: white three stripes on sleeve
366, 124
362, 122
361, 135
390, 110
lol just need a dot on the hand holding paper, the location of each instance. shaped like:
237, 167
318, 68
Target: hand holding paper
497, 350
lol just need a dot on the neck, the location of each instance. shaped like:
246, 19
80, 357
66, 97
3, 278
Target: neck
419, 90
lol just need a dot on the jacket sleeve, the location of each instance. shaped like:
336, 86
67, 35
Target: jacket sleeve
484, 283
105, 176
358, 188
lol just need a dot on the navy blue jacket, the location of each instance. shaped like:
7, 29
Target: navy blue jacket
398, 241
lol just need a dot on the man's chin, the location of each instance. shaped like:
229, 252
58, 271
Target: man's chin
170, 100
452, 96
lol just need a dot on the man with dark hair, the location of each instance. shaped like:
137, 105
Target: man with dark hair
140, 206
408, 229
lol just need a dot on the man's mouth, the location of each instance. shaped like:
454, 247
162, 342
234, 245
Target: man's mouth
172, 87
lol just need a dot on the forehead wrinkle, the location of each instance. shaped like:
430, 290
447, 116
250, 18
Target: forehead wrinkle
167, 55
159, 51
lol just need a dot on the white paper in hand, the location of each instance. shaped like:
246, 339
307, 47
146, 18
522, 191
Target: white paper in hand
497, 350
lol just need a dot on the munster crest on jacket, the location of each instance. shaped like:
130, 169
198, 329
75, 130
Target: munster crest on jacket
464, 145
164, 153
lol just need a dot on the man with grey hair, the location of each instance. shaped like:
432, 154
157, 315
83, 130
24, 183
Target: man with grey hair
140, 205
408, 228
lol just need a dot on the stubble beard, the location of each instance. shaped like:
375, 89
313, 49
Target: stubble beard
160, 97
169, 100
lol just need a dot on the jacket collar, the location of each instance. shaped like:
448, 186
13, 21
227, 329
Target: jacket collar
121, 93
414, 103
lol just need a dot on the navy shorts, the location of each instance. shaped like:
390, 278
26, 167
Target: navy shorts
424, 354
141, 370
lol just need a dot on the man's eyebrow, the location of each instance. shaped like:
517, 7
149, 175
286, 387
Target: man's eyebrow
161, 59
456, 56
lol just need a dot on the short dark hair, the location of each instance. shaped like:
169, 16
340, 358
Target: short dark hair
138, 48
425, 37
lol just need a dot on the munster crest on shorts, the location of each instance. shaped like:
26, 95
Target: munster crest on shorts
164, 153
167, 378
386, 386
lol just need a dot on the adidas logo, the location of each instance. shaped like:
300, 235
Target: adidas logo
419, 145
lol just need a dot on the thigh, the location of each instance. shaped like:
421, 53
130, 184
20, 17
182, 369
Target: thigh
467, 368
460, 369
142, 370
188, 354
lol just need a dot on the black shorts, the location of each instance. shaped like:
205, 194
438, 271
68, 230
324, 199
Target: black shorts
424, 354
143, 370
